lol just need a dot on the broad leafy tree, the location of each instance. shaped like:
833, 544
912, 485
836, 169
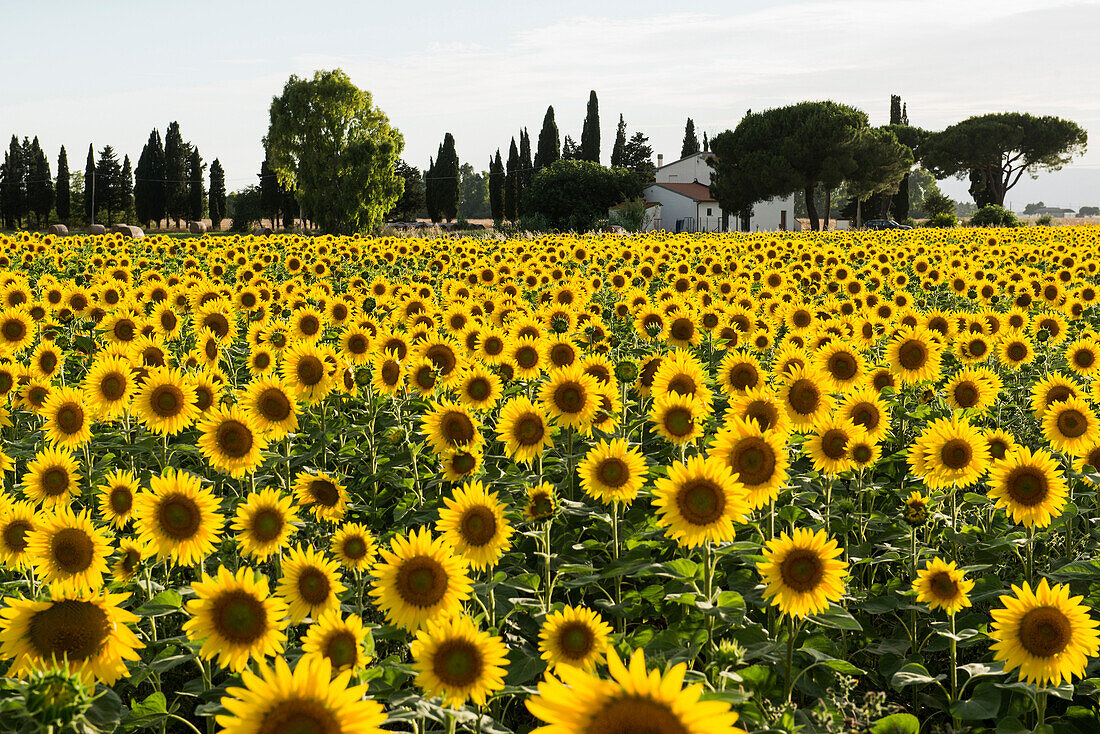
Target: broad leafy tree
576, 194
411, 203
329, 143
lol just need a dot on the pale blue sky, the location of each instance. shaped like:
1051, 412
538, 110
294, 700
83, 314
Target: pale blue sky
79, 72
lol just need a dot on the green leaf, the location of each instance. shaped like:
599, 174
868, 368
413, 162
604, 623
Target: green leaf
897, 724
165, 602
984, 704
147, 713
837, 617
913, 674
840, 666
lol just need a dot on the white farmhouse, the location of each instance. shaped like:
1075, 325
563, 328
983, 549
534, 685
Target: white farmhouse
682, 188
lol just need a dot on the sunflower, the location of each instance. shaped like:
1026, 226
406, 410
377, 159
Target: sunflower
760, 405
828, 446
236, 618
1015, 349
974, 388
1029, 486
802, 572
16, 331
805, 398
310, 583
473, 522
542, 502
682, 374
1089, 459
51, 479
323, 494
635, 699
457, 661
477, 387
354, 546
88, 634
450, 426
17, 521
109, 387
950, 453
863, 407
1071, 426
1044, 632
612, 471
1052, 388
739, 372
574, 636
699, 501
304, 371
423, 376
525, 355
914, 356
524, 430
843, 365
272, 407
916, 509
166, 402
999, 442
340, 640
1083, 357
68, 551
419, 578
679, 420
309, 699
178, 518
387, 376
67, 419
757, 458
264, 522
231, 442
941, 585
570, 395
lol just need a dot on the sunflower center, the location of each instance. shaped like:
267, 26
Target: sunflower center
862, 453
72, 550
479, 389
234, 439
55, 481
1084, 358
682, 384
121, 500
753, 461
70, 629
569, 397
576, 640
913, 354
834, 443
998, 449
239, 617
701, 502
179, 517
458, 663
478, 526
1058, 394
635, 715
15, 535
309, 324
943, 586
274, 405
956, 454
267, 524
977, 347
1072, 423
1016, 351
421, 581
14, 330
802, 570
842, 366
463, 462
764, 413
541, 505
342, 649
679, 421
310, 370
613, 472
529, 430
1045, 632
166, 401
966, 394
48, 362
218, 324
865, 415
112, 386
1027, 486
743, 376
324, 492
562, 355
299, 716
442, 357
354, 547
391, 372
457, 428
314, 586
804, 396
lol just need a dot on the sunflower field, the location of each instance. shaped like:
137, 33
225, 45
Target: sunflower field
691, 484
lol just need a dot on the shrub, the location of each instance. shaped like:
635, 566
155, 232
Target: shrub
1044, 221
943, 219
992, 215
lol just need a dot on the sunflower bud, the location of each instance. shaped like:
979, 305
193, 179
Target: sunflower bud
626, 371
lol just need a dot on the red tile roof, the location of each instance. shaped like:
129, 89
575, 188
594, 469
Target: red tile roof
696, 191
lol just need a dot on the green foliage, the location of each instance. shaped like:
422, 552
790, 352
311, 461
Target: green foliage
331, 145
13, 194
63, 200
638, 158
574, 195
992, 215
412, 201
937, 203
150, 204
549, 146
217, 203
590, 133
196, 194
176, 154
40, 192
1089, 211
1044, 221
997, 149
512, 183
632, 215
244, 208
618, 152
881, 164
108, 184
691, 140
447, 179
496, 188
473, 193
943, 219
525, 169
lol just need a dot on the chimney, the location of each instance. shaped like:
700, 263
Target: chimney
660, 160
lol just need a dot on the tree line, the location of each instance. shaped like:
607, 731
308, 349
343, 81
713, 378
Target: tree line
167, 184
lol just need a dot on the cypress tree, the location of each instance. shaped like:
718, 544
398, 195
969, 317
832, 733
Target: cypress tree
496, 187
62, 187
39, 184
691, 140
549, 146
15, 184
126, 188
217, 194
569, 149
448, 177
176, 152
196, 200
511, 184
149, 186
706, 142
271, 194
899, 202
895, 109
618, 152
525, 171
431, 190
108, 175
590, 133
90, 204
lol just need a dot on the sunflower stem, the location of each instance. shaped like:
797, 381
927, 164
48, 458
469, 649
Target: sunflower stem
1030, 551
788, 680
549, 579
708, 581
1041, 709
954, 673
450, 723
615, 550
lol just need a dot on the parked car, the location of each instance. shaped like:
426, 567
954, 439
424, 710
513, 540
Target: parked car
877, 224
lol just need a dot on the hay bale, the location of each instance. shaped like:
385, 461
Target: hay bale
136, 233
95, 229
197, 227
59, 229
128, 231
261, 231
